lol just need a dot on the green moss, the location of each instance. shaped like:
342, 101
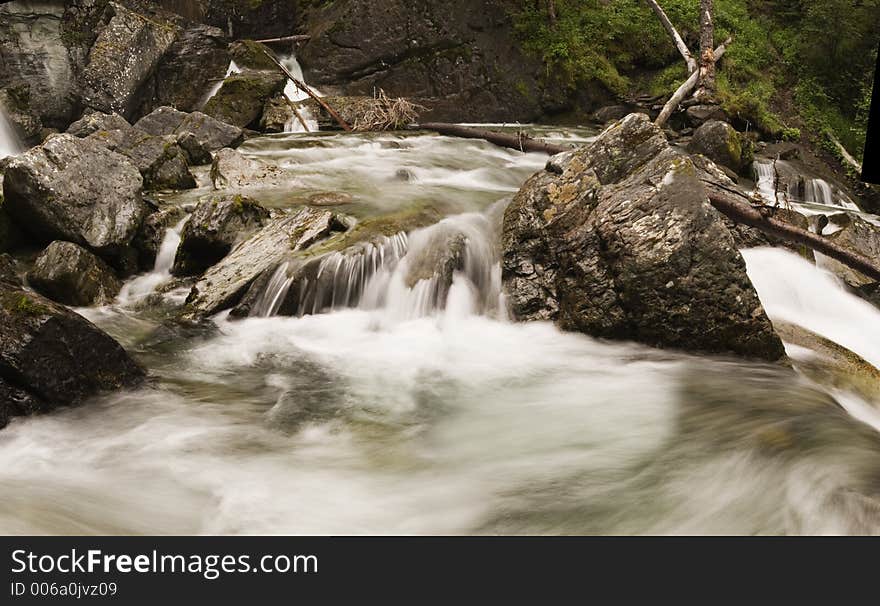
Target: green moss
20, 304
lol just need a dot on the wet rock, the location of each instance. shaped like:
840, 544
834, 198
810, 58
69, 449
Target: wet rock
94, 121
211, 133
223, 284
242, 96
149, 237
9, 271
71, 275
114, 74
230, 169
76, 190
160, 160
859, 236
277, 113
196, 153
15, 102
216, 225
249, 54
198, 57
51, 356
611, 113
697, 115
624, 245
35, 49
720, 142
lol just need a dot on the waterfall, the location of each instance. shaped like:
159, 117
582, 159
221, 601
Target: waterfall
295, 95
450, 267
232, 69
146, 284
803, 191
10, 144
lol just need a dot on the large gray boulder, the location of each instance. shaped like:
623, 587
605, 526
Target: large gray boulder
211, 133
76, 190
51, 356
722, 144
115, 73
223, 285
859, 236
618, 240
197, 57
231, 170
71, 275
242, 96
161, 160
93, 121
216, 225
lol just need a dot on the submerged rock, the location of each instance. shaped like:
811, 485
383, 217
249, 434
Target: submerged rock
216, 225
223, 284
230, 169
242, 96
71, 275
161, 160
76, 190
211, 133
720, 142
51, 356
623, 244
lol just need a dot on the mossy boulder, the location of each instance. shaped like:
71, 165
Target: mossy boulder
722, 144
51, 356
71, 275
216, 225
249, 54
212, 134
242, 97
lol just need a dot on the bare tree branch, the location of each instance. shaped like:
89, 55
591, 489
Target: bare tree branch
676, 37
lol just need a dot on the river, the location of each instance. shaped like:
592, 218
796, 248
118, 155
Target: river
390, 415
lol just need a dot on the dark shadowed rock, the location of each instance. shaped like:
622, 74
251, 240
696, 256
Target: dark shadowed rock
197, 57
242, 96
10, 233
149, 237
9, 271
213, 134
51, 356
697, 115
720, 142
196, 153
114, 73
71, 275
223, 284
216, 225
277, 112
611, 113
160, 160
623, 244
76, 190
94, 121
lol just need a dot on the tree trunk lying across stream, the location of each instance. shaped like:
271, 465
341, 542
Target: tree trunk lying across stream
518, 141
729, 202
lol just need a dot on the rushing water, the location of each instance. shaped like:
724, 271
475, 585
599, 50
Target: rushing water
414, 409
10, 144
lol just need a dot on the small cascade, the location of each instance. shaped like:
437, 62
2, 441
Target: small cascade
293, 93
802, 190
232, 69
10, 144
450, 267
146, 284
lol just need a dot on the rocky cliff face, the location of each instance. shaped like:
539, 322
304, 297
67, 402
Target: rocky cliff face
458, 58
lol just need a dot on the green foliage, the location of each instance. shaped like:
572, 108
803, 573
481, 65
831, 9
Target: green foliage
822, 51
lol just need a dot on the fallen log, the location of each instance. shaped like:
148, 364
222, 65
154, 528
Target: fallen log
302, 86
737, 206
519, 141
296, 38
